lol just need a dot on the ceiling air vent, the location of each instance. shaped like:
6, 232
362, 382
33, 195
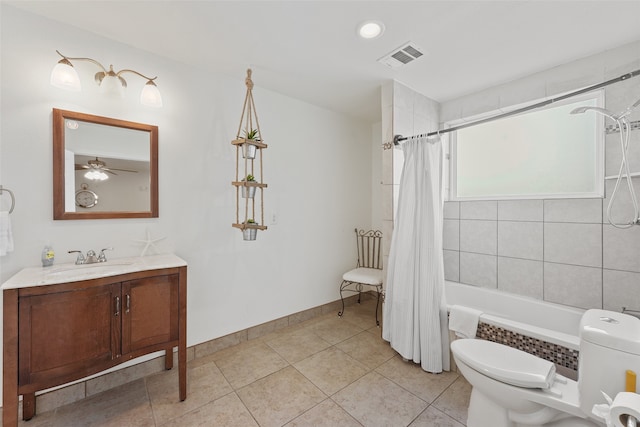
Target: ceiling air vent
403, 55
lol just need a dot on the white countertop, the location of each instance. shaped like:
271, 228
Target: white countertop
64, 273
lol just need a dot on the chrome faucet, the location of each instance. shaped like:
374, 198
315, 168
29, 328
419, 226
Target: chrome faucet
103, 257
91, 257
80, 259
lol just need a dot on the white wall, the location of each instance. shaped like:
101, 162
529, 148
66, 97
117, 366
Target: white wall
314, 167
376, 176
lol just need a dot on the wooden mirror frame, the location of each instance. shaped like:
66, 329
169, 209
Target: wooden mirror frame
59, 212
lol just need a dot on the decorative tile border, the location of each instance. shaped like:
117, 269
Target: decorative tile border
563, 357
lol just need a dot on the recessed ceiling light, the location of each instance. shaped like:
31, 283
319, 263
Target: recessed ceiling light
370, 29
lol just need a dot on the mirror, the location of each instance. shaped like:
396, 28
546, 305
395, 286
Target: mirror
103, 167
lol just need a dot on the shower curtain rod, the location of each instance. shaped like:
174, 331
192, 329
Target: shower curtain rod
398, 138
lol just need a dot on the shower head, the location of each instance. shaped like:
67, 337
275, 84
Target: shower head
579, 110
602, 111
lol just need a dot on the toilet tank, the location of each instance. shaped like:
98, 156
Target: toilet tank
609, 346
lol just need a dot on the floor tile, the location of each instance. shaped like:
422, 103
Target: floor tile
374, 400
363, 314
41, 419
297, 345
228, 411
331, 370
368, 349
280, 397
455, 400
325, 414
325, 371
124, 406
205, 383
412, 377
333, 330
431, 417
250, 363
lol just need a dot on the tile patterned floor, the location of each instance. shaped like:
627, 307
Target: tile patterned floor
327, 371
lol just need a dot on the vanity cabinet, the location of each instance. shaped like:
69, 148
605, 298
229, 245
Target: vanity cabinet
58, 333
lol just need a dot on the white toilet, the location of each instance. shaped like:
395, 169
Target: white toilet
512, 388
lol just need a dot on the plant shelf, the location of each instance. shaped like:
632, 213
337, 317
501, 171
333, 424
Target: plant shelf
249, 204
241, 141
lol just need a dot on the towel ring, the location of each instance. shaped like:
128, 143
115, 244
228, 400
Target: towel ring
13, 199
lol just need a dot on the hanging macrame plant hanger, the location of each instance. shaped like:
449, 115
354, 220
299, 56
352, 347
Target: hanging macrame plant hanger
249, 145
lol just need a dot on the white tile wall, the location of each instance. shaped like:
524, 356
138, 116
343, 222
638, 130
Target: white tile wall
557, 250
519, 239
479, 210
451, 265
403, 111
479, 270
620, 289
387, 202
622, 209
402, 121
479, 236
520, 276
621, 248
573, 285
387, 167
398, 163
451, 237
570, 243
387, 234
573, 210
613, 151
451, 210
520, 210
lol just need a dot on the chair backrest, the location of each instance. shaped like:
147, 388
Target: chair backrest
369, 248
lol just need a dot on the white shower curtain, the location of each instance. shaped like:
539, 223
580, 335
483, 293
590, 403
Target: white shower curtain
415, 309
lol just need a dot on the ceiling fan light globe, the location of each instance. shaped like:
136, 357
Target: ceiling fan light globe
96, 175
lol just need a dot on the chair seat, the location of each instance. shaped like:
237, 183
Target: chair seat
367, 276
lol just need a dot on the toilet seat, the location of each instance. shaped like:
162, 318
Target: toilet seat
505, 364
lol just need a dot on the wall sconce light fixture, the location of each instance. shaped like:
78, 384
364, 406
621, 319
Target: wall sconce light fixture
111, 83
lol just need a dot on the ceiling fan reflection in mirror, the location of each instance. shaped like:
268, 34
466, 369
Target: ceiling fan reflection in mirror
97, 170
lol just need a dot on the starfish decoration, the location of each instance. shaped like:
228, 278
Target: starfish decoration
149, 243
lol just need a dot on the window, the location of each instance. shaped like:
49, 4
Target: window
543, 153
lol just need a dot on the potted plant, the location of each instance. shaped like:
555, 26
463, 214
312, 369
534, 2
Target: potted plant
248, 191
250, 233
249, 150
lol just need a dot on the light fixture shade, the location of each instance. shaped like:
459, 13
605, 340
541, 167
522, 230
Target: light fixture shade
96, 175
64, 76
111, 86
150, 95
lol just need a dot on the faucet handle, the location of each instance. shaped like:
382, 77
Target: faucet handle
91, 257
80, 259
103, 257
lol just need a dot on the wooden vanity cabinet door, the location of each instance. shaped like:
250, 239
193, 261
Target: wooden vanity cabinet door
150, 314
67, 335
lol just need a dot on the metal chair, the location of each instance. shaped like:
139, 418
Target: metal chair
368, 271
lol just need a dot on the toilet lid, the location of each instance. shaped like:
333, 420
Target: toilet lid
505, 364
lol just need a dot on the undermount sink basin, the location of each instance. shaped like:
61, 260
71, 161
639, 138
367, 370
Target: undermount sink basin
82, 269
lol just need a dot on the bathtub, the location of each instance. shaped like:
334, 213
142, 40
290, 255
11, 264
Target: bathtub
544, 321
